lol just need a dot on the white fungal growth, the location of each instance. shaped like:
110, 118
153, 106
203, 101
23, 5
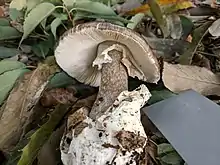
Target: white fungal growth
102, 142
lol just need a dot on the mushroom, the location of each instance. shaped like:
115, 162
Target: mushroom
103, 54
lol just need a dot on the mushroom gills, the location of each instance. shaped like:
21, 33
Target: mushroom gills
77, 50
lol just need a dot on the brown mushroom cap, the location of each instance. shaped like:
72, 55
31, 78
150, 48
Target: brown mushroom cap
77, 49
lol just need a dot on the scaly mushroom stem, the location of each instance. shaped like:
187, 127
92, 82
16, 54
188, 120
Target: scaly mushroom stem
114, 80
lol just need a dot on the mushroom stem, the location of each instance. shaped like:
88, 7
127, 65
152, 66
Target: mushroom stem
114, 80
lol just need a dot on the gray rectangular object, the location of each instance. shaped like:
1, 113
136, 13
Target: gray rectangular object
190, 122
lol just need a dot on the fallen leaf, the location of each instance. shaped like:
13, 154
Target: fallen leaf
151, 150
159, 17
168, 155
160, 95
2, 14
202, 61
177, 78
167, 48
14, 155
58, 96
214, 29
10, 115
174, 25
39, 138
49, 153
189, 38
197, 35
168, 6
86, 102
18, 107
172, 158
36, 85
128, 5
164, 148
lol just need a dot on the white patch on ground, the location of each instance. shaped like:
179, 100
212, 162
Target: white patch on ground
87, 147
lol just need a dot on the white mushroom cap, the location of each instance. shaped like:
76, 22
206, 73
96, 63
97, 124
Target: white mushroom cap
77, 49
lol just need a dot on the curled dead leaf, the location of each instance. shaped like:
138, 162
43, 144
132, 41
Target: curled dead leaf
58, 96
177, 78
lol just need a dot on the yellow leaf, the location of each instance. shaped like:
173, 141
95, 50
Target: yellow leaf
167, 5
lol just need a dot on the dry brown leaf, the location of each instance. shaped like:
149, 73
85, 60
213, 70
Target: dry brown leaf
17, 112
86, 102
178, 78
201, 61
58, 96
50, 153
10, 113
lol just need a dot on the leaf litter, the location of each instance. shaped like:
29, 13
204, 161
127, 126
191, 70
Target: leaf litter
183, 35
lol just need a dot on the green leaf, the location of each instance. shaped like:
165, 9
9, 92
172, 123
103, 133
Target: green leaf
9, 65
114, 19
43, 23
187, 26
56, 22
8, 52
93, 7
198, 35
135, 20
4, 22
15, 154
43, 48
164, 148
60, 80
168, 155
159, 17
172, 159
8, 32
18, 4
160, 95
38, 14
39, 138
15, 14
7, 81
31, 4
68, 3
